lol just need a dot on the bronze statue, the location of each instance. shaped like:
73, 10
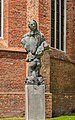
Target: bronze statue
35, 44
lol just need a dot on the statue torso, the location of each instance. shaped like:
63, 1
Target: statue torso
32, 42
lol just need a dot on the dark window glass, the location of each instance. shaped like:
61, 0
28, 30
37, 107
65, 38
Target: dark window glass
59, 24
52, 22
62, 24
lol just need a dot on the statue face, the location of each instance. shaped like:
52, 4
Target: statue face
32, 25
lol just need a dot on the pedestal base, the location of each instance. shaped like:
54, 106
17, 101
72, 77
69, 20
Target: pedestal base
35, 102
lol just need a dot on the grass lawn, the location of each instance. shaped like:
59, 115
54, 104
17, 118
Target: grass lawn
55, 118
63, 118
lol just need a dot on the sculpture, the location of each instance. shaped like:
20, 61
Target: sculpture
35, 44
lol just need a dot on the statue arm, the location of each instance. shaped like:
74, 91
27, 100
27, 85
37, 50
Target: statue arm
44, 43
23, 41
43, 46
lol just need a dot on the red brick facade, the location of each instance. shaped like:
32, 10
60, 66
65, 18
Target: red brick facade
58, 68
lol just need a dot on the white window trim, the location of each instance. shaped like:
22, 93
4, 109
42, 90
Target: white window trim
2, 14
65, 25
60, 27
59, 24
55, 26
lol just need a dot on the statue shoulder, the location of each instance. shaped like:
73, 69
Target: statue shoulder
42, 35
25, 38
26, 35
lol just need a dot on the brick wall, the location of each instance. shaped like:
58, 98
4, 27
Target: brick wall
12, 59
62, 70
12, 104
44, 18
45, 72
17, 22
62, 86
12, 77
70, 29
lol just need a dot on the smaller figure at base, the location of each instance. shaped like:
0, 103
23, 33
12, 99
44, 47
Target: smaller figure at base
35, 44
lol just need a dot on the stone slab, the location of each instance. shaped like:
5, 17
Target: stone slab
35, 102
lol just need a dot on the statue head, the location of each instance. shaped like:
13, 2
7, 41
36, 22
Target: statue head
32, 25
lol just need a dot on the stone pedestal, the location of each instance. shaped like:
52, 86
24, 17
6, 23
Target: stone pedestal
35, 102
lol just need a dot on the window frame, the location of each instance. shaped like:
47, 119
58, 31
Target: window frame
64, 46
2, 14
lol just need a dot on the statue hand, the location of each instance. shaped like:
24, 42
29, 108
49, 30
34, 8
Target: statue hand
27, 60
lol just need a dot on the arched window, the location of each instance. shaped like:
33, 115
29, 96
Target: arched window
58, 24
1, 18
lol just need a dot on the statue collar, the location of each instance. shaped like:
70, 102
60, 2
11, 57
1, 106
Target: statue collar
31, 33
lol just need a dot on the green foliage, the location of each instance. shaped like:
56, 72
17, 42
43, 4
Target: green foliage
55, 118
